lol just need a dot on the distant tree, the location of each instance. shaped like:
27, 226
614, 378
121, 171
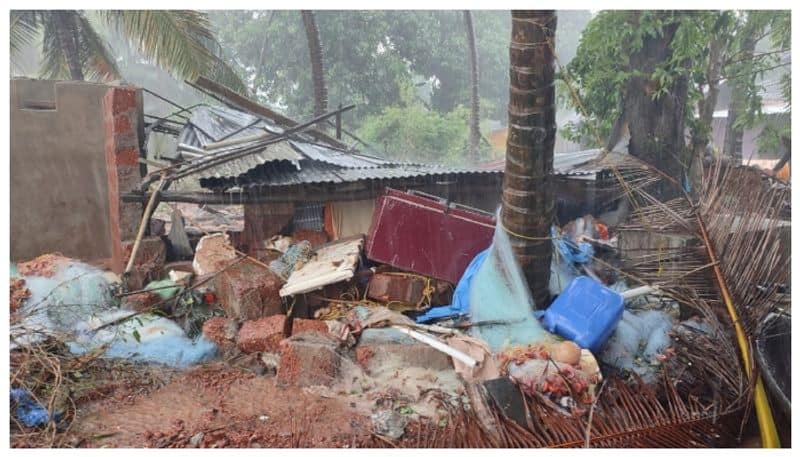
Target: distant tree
317, 62
179, 41
475, 111
528, 204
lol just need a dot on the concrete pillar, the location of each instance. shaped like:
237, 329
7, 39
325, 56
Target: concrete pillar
121, 108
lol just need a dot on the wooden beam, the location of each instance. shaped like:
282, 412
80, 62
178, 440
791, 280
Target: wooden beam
246, 104
459, 191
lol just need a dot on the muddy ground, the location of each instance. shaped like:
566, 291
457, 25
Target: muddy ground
217, 405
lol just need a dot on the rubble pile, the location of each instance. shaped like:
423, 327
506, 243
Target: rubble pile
401, 338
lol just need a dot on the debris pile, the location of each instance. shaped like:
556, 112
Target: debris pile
423, 324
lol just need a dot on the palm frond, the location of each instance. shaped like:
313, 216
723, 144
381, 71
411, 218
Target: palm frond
224, 74
181, 42
744, 216
54, 61
731, 270
624, 416
96, 58
23, 29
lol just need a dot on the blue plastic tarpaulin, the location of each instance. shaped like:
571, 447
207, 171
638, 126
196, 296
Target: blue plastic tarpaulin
29, 411
460, 305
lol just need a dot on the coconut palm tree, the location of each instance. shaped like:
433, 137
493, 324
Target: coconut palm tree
527, 211
181, 42
474, 118
317, 63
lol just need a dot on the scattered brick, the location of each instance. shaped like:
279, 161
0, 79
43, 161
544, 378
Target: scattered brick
300, 326
149, 264
141, 302
248, 291
19, 294
221, 331
308, 360
262, 335
212, 254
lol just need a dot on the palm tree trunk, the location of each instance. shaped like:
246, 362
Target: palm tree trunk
67, 36
474, 119
527, 211
317, 63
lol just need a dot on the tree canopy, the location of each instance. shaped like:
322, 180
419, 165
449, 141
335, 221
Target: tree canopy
708, 48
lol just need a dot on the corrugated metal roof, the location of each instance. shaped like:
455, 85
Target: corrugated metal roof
209, 124
565, 163
315, 172
336, 157
289, 162
271, 153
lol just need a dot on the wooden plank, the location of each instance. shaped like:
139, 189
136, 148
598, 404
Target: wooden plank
246, 104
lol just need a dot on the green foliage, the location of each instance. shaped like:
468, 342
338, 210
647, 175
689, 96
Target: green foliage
600, 70
770, 140
370, 55
179, 41
412, 132
601, 67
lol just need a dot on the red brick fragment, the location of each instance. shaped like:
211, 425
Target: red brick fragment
141, 302
300, 326
248, 291
308, 360
220, 331
363, 355
262, 335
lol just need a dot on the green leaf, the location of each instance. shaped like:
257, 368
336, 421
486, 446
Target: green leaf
406, 410
136, 336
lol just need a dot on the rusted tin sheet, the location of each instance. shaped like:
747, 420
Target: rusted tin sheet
426, 235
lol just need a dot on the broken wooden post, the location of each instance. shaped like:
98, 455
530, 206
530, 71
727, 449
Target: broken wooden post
144, 223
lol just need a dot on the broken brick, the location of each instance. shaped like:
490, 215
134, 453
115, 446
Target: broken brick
308, 360
19, 294
364, 355
300, 326
149, 263
248, 291
212, 254
388, 287
262, 335
221, 331
379, 347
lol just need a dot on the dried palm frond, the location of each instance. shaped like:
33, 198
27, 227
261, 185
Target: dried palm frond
624, 416
729, 273
742, 215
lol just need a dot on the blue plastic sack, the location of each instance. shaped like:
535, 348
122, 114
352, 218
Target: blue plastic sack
29, 411
586, 312
460, 305
581, 252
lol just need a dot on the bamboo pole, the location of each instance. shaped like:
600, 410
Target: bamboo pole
143, 224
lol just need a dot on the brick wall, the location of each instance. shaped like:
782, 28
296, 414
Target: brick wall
121, 117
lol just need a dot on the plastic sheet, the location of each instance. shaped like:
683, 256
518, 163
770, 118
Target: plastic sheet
460, 305
29, 411
75, 304
637, 340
